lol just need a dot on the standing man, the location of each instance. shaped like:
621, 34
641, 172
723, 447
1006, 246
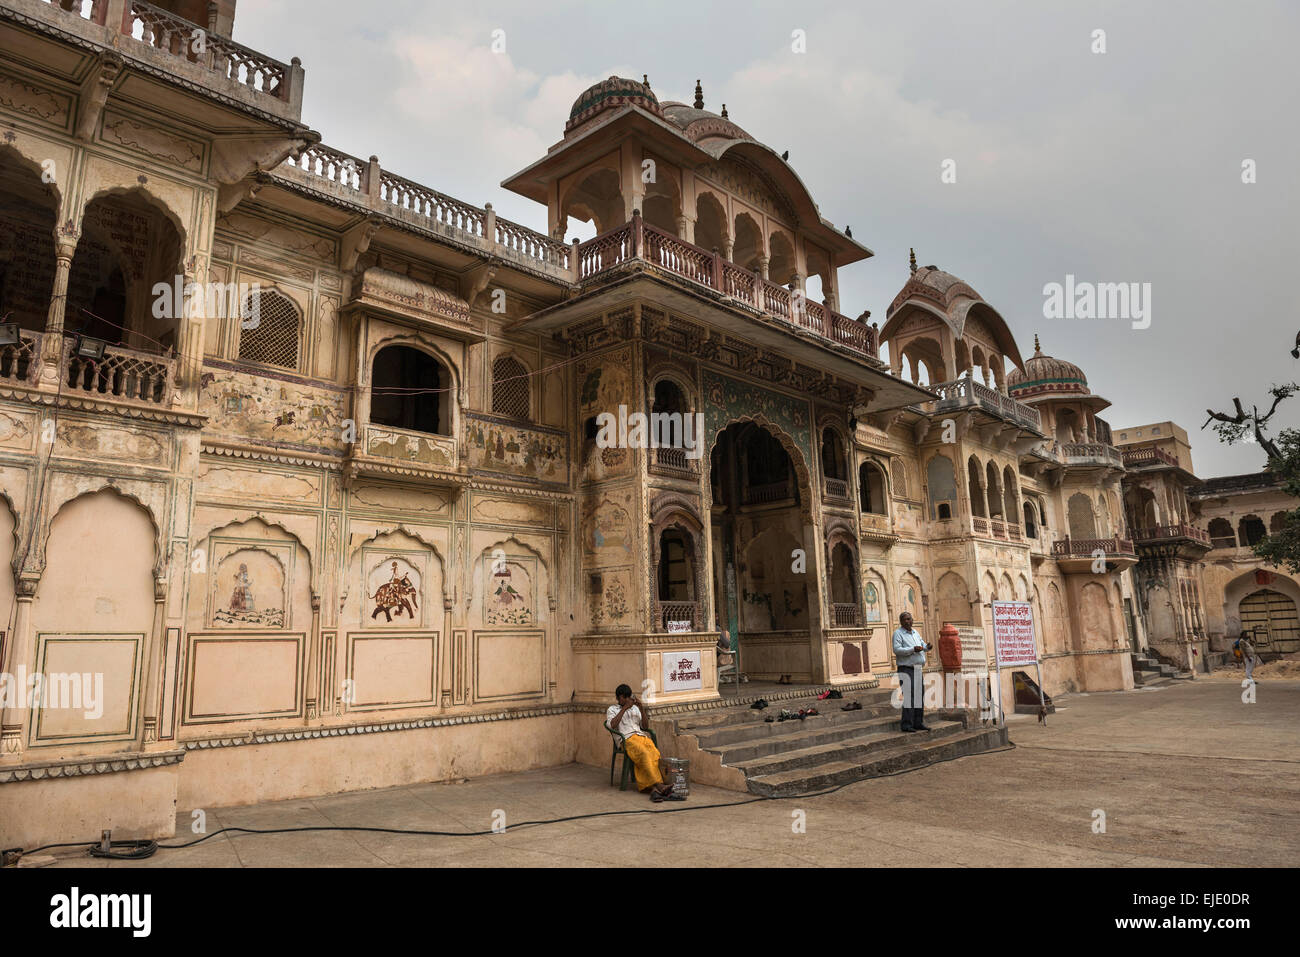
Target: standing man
1248, 656
909, 651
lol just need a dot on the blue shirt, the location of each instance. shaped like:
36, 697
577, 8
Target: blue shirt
904, 642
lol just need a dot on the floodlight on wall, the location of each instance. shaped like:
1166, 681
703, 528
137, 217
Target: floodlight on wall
8, 333
88, 348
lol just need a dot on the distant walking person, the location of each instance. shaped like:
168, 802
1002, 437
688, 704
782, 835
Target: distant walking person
909, 651
1248, 656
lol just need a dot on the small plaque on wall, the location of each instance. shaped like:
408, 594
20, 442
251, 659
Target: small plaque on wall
683, 671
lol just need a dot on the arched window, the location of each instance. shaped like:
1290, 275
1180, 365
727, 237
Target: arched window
1009, 496
1277, 523
410, 389
994, 491
871, 489
1031, 526
269, 327
942, 480
833, 465
1083, 521
510, 393
676, 579
898, 478
1221, 535
975, 478
1250, 531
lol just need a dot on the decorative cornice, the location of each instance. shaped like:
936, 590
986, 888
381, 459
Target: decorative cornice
216, 447
82, 767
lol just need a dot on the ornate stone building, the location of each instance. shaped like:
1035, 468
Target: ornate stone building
342, 518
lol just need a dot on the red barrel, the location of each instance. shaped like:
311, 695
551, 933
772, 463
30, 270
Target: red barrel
949, 648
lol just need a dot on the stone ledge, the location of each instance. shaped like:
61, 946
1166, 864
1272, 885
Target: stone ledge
307, 734
81, 767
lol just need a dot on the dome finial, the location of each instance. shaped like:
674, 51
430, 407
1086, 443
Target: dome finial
645, 80
724, 111
699, 96
1038, 350
911, 259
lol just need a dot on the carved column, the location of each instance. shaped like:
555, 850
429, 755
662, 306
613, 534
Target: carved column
313, 660
65, 239
153, 662
18, 649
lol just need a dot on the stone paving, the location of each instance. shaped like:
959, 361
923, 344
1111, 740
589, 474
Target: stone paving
1186, 774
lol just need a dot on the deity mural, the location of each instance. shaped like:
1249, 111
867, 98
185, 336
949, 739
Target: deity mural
249, 590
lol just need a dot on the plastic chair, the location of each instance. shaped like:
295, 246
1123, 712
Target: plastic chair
629, 769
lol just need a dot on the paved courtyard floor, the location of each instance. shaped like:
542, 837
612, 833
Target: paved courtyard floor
1186, 775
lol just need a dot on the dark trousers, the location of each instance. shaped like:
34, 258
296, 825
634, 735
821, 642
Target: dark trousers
910, 683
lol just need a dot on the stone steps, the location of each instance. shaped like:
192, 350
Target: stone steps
832, 747
900, 756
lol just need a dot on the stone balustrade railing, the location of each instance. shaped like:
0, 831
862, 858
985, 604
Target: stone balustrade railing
967, 392
121, 373
639, 240
846, 615
20, 361
836, 488
1162, 533
1148, 455
1090, 453
678, 611
195, 50
1084, 547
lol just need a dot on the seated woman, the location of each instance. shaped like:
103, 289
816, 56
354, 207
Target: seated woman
628, 719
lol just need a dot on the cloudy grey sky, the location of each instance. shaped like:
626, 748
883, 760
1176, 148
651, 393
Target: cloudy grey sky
1115, 167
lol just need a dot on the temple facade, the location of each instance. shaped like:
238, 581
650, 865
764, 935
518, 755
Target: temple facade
308, 462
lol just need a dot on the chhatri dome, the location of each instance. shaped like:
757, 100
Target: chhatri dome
610, 94
1045, 375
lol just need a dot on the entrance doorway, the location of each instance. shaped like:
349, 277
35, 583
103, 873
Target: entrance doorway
761, 573
1272, 620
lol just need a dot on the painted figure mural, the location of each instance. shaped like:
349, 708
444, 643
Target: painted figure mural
394, 596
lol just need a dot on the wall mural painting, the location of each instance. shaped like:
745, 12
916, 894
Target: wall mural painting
263, 408
607, 527
726, 400
249, 589
606, 383
871, 602
394, 586
911, 598
510, 590
540, 454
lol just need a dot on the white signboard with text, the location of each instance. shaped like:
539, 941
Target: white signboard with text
1013, 631
683, 670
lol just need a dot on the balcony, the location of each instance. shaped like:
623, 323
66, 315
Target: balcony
671, 460
876, 528
966, 393
1181, 539
163, 43
837, 490
846, 615
121, 376
1078, 555
1091, 454
1148, 456
766, 494
638, 241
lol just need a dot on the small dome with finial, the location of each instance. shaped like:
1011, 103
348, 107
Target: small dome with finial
1045, 375
609, 94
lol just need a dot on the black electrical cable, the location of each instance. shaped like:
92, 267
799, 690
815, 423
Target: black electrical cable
144, 849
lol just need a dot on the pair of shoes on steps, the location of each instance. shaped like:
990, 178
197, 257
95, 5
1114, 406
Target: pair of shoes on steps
760, 704
852, 706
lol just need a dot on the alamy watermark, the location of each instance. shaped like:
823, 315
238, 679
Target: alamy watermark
658, 430
1098, 300
217, 300
74, 690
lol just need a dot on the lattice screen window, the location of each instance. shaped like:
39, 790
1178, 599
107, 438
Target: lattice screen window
268, 330
510, 388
